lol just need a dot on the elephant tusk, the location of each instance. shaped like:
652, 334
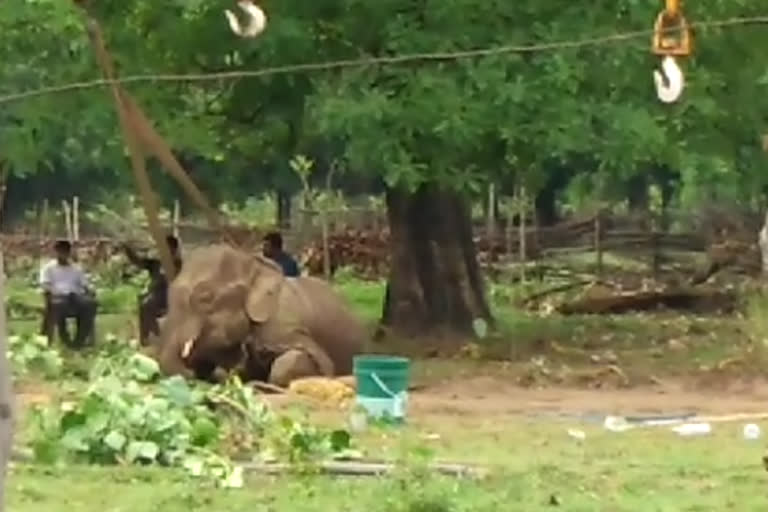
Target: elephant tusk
669, 90
257, 20
186, 349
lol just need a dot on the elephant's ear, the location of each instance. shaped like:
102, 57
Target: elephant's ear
263, 296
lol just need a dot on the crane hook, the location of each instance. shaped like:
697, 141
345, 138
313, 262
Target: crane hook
257, 20
669, 85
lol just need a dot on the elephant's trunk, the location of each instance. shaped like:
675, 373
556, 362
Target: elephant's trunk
171, 362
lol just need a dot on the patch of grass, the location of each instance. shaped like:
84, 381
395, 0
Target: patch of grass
657, 343
366, 298
756, 317
534, 463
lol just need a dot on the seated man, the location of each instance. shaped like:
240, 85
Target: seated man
153, 303
67, 295
273, 249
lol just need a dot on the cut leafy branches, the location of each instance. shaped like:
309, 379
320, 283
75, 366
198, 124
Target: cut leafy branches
127, 416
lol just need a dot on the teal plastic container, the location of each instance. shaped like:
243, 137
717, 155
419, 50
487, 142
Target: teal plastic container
382, 386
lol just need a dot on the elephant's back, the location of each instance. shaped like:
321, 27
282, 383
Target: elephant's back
331, 322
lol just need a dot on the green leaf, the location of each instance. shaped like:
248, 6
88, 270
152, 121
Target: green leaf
115, 440
300, 442
340, 440
75, 440
144, 368
46, 451
177, 390
97, 423
71, 420
204, 432
142, 450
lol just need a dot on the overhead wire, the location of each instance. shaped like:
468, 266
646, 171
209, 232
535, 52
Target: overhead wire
371, 61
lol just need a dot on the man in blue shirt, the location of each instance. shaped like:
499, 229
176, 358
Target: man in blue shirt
273, 249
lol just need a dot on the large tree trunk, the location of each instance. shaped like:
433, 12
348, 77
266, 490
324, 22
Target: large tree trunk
637, 194
434, 283
546, 205
6, 394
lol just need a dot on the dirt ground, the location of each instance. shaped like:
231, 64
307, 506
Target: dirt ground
489, 397
492, 396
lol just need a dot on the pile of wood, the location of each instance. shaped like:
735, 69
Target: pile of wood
18, 250
366, 252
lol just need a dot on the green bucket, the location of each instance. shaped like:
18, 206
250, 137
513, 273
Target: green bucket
382, 385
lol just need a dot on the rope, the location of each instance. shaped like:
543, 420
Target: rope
356, 63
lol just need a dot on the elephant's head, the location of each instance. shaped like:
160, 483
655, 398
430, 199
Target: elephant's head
212, 306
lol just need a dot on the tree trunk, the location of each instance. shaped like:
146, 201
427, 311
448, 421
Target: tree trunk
545, 204
637, 194
434, 285
6, 394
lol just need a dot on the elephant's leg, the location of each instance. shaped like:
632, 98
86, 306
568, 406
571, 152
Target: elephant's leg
149, 312
257, 363
206, 371
290, 366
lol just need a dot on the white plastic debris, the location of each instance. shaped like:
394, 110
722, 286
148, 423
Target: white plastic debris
358, 420
616, 424
751, 432
693, 429
577, 434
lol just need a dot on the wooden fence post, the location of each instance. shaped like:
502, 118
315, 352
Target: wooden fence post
76, 218
599, 242
654, 247
67, 219
491, 219
521, 231
326, 247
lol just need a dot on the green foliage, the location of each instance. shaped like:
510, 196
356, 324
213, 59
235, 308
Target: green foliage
462, 123
30, 354
255, 211
129, 415
756, 318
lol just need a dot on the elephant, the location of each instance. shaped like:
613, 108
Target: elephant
232, 310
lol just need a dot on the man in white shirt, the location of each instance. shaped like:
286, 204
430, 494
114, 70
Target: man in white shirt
67, 295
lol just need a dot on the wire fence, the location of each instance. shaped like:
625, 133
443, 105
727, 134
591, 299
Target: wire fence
414, 58
358, 238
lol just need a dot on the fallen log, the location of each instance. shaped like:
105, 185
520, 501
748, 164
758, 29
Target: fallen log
550, 291
700, 301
